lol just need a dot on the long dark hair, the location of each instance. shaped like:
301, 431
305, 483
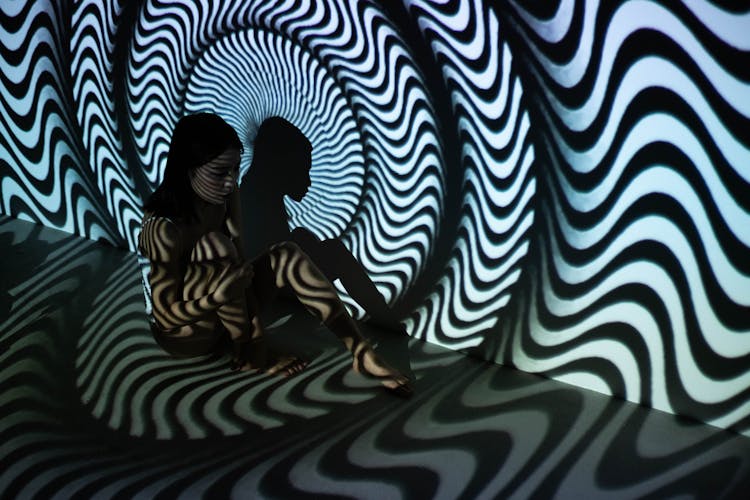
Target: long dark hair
196, 139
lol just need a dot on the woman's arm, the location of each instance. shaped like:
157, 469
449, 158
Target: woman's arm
160, 243
234, 221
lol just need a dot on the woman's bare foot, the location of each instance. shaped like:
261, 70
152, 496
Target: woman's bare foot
255, 356
368, 363
286, 366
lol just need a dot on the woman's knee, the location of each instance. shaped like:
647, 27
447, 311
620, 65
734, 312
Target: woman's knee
286, 252
288, 260
214, 246
287, 247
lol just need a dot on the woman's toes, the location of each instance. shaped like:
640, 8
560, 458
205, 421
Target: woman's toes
402, 390
296, 367
287, 366
370, 364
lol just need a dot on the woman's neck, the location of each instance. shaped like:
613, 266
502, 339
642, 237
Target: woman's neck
210, 215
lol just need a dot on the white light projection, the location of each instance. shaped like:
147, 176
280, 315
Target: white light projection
498, 184
599, 229
92, 43
352, 55
43, 174
644, 233
300, 90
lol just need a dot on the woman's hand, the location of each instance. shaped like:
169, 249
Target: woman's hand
234, 218
233, 281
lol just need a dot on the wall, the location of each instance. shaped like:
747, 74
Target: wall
564, 188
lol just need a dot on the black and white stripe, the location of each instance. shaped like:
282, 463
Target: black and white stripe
498, 185
602, 229
641, 285
105, 413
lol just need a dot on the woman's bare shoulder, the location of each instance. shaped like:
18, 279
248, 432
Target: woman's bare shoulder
160, 238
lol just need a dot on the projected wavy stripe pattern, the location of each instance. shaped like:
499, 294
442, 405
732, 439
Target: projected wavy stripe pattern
44, 174
300, 89
627, 273
498, 185
125, 421
130, 384
391, 209
642, 287
91, 47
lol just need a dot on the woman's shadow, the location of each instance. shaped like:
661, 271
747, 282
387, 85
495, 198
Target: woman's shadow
282, 159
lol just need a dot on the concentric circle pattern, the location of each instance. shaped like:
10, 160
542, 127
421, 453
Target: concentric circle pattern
498, 184
559, 186
363, 105
301, 90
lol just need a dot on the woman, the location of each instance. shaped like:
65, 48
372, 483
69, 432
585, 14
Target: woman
281, 167
202, 291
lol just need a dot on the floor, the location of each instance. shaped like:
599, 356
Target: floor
90, 407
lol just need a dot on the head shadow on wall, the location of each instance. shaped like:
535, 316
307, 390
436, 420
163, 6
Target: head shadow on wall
588, 164
281, 164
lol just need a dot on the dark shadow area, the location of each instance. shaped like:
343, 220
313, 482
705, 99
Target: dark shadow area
91, 406
282, 159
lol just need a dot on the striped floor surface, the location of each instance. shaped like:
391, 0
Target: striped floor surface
90, 407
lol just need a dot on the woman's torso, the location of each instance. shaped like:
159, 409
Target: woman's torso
188, 235
211, 219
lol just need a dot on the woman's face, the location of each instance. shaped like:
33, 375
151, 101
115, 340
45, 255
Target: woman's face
215, 180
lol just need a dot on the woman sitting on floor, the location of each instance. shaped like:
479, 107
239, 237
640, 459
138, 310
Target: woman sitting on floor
202, 292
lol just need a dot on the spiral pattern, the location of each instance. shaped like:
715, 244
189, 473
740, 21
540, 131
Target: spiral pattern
377, 173
561, 187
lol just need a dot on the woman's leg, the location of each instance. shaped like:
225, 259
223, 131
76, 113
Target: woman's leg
196, 342
202, 337
210, 257
336, 262
292, 267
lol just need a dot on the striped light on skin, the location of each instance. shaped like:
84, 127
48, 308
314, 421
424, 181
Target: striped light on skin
600, 223
387, 211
